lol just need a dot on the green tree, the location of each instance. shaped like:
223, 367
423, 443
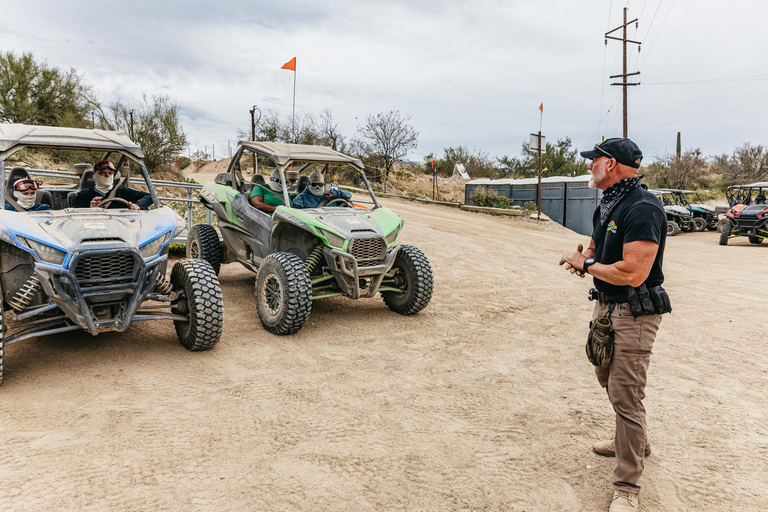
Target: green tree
747, 164
687, 170
156, 127
33, 92
560, 159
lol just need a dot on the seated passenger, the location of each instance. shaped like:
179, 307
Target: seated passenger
24, 195
104, 188
268, 197
760, 199
314, 194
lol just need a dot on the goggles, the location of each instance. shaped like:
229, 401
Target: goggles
276, 180
316, 185
105, 165
25, 184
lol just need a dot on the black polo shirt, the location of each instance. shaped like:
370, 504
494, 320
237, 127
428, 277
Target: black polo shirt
639, 216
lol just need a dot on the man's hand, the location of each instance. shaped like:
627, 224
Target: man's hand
95, 201
133, 206
574, 261
328, 195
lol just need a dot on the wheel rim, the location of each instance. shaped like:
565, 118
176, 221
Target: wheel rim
272, 294
670, 229
194, 249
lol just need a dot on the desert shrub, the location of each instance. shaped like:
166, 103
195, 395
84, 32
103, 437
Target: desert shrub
490, 200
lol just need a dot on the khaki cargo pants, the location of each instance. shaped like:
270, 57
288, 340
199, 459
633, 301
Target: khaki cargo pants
625, 380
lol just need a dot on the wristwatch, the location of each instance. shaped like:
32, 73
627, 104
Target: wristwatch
587, 263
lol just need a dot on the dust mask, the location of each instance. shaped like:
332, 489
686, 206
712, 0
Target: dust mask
24, 200
103, 184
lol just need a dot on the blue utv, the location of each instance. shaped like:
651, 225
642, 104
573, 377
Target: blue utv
94, 269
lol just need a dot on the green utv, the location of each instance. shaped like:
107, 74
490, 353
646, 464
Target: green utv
301, 255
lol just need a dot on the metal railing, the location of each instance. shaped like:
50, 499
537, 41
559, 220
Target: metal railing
190, 200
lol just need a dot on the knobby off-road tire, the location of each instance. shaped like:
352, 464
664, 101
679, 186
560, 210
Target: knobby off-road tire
755, 240
699, 224
283, 293
203, 243
200, 300
413, 266
725, 233
672, 228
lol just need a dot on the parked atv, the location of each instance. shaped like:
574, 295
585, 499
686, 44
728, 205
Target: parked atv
95, 269
704, 216
678, 217
748, 215
302, 255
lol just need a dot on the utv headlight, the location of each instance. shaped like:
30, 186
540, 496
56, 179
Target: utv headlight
46, 253
334, 240
150, 249
393, 235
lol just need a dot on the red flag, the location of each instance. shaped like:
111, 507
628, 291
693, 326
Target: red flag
541, 107
291, 64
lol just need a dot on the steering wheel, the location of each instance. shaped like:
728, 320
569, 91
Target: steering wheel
337, 200
107, 201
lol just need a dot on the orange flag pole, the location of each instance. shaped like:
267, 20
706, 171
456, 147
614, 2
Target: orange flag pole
291, 65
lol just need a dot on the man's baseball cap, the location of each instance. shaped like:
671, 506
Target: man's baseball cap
624, 151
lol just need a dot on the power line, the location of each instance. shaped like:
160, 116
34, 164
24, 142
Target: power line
653, 19
755, 78
657, 34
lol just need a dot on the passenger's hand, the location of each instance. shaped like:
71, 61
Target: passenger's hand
328, 195
95, 201
133, 206
574, 261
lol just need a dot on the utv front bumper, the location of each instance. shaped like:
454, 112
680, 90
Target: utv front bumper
102, 289
355, 281
749, 226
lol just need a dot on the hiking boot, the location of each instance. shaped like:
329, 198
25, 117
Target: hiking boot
624, 501
608, 448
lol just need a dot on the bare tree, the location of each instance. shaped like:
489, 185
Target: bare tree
389, 136
156, 127
328, 130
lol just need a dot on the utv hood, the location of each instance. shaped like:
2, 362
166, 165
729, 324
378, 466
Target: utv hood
347, 222
678, 210
72, 229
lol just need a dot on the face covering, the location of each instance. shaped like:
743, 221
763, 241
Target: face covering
24, 200
316, 189
274, 184
103, 184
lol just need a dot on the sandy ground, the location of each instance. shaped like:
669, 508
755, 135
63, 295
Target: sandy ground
484, 401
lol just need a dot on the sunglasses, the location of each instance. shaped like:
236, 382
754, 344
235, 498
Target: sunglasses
26, 185
316, 185
277, 180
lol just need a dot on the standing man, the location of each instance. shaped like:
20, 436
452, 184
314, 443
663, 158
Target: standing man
624, 257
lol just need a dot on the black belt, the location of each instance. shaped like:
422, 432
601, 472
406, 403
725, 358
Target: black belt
607, 298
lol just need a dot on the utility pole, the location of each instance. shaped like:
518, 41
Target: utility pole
253, 132
131, 125
624, 75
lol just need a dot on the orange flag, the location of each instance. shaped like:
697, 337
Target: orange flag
541, 107
291, 64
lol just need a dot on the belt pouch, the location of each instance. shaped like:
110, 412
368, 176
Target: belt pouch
634, 302
660, 300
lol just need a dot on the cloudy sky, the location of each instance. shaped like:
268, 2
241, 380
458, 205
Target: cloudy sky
469, 73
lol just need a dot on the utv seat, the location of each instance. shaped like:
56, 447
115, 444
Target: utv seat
20, 173
302, 183
86, 181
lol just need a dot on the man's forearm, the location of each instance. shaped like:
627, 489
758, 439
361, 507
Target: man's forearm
619, 274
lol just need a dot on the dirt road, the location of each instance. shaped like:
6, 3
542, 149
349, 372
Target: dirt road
484, 401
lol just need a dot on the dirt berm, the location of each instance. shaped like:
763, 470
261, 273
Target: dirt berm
484, 401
